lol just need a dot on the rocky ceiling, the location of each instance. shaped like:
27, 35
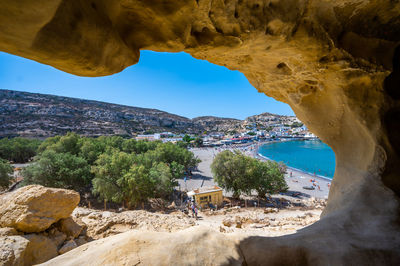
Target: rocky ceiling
335, 62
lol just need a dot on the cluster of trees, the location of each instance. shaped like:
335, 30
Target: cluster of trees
242, 174
197, 142
5, 173
119, 170
18, 150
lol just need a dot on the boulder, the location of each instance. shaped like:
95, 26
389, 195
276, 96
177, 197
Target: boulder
39, 249
57, 237
80, 241
69, 227
34, 208
26, 250
8, 231
227, 222
12, 250
70, 245
192, 246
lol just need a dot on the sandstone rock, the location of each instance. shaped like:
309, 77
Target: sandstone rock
150, 248
8, 231
39, 249
57, 237
26, 250
34, 208
227, 222
70, 245
348, 49
12, 250
80, 241
271, 210
69, 227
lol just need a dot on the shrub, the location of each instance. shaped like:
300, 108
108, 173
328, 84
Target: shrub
241, 174
60, 170
6, 172
18, 150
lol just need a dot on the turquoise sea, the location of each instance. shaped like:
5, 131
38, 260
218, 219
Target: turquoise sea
311, 156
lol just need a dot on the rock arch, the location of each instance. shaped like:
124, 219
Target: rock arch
336, 63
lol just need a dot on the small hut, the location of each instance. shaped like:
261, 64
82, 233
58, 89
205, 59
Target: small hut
205, 195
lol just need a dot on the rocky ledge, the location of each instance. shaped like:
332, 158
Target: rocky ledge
36, 225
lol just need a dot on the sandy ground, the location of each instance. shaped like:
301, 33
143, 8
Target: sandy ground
295, 179
254, 221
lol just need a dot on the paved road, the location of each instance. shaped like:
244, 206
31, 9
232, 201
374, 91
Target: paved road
202, 177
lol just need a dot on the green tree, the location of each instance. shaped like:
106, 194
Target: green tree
231, 172
241, 174
187, 138
198, 142
18, 150
91, 149
109, 168
60, 170
136, 186
269, 178
69, 143
163, 180
5, 174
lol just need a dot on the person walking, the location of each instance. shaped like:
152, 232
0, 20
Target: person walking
193, 207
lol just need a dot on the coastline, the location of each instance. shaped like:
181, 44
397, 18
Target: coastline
295, 178
262, 157
258, 155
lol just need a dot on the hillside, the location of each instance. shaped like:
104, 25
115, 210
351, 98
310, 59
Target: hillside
218, 124
33, 114
40, 115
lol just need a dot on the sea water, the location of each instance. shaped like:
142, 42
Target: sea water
311, 156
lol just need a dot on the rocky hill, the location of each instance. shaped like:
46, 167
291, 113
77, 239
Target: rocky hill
218, 124
40, 115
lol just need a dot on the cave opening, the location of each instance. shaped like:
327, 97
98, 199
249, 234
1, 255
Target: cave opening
329, 60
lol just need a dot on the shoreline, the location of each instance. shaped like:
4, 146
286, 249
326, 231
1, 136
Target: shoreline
260, 156
295, 179
257, 154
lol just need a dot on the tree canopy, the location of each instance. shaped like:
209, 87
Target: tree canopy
6, 171
115, 169
18, 150
242, 174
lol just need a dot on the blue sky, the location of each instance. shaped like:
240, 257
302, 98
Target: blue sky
172, 82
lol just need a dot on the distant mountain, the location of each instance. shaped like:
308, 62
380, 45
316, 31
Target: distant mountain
41, 115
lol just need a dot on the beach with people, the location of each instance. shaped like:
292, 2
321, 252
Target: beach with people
296, 180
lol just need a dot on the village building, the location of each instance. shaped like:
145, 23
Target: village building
206, 195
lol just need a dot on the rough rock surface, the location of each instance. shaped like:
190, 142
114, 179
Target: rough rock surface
26, 249
193, 246
70, 245
8, 231
70, 227
39, 249
100, 224
12, 250
34, 208
335, 62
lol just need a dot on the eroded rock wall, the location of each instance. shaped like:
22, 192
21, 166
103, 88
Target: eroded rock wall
335, 62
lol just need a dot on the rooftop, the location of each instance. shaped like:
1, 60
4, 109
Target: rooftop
204, 190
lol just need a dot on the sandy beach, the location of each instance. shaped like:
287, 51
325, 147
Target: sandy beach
295, 179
